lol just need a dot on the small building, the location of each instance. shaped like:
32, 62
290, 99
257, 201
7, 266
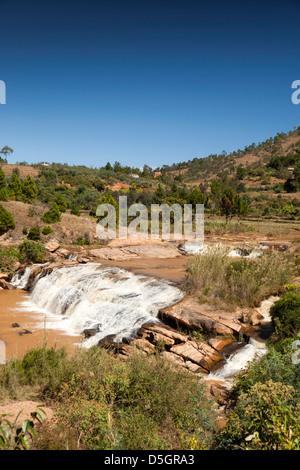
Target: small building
134, 175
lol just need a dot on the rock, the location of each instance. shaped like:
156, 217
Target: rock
252, 317
6, 285
16, 266
90, 332
107, 341
219, 392
199, 353
195, 316
63, 252
15, 325
4, 276
218, 343
25, 332
52, 246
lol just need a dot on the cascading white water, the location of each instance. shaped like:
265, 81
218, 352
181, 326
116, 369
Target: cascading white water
20, 281
75, 298
238, 361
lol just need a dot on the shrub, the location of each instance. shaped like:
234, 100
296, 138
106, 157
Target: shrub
31, 250
83, 240
286, 315
52, 215
143, 403
29, 190
34, 233
264, 418
8, 256
46, 230
6, 220
61, 203
25, 230
75, 210
3, 194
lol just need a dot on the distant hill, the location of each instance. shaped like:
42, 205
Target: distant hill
252, 157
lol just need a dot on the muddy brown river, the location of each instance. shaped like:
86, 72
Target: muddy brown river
17, 344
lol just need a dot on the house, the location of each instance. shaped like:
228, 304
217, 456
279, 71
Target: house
134, 175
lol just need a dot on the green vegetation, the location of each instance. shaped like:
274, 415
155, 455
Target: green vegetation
215, 277
52, 216
6, 220
266, 412
286, 316
14, 437
46, 230
34, 233
32, 251
103, 402
8, 257
29, 190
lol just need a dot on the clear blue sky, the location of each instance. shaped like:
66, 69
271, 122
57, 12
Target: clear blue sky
145, 82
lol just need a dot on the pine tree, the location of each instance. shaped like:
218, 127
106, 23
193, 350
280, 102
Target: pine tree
3, 192
14, 187
52, 215
6, 221
29, 190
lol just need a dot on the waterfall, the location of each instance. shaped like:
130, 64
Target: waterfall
20, 280
238, 361
110, 299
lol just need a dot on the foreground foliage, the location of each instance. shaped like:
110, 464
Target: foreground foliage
266, 415
103, 402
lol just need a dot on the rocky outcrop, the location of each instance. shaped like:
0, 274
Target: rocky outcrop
189, 313
179, 349
153, 250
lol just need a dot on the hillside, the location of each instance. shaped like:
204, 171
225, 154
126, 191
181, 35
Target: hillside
262, 183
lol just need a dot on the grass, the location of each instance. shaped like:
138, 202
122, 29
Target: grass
104, 403
241, 282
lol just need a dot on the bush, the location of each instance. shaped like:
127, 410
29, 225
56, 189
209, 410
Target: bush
25, 231
6, 221
52, 215
265, 418
46, 230
8, 256
75, 210
31, 250
3, 194
286, 316
34, 233
29, 190
143, 403
83, 240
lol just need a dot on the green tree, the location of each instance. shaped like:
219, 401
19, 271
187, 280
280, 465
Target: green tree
14, 187
6, 151
3, 192
29, 190
34, 233
227, 203
6, 220
52, 215
61, 203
